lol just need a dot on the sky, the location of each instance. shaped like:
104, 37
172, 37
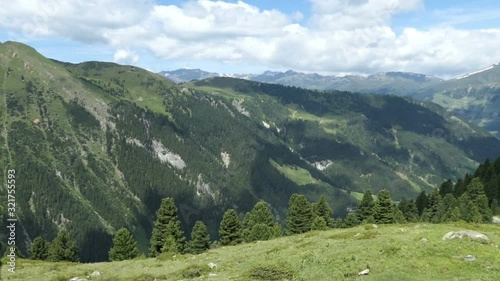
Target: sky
336, 37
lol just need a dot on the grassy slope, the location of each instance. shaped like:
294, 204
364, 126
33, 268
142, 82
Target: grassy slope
392, 252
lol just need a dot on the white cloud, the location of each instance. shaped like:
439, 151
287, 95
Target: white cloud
340, 36
125, 56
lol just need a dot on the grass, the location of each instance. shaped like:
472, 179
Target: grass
391, 252
298, 175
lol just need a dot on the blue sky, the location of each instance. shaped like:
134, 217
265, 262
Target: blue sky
443, 38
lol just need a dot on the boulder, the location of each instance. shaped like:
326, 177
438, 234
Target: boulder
470, 258
364, 272
424, 240
212, 265
495, 220
95, 274
212, 275
78, 279
476, 236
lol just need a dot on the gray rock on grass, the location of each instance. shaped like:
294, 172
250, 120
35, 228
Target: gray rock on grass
461, 234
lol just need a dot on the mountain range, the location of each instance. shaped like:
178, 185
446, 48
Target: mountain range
474, 96
97, 145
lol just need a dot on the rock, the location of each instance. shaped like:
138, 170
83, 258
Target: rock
95, 274
364, 272
495, 220
212, 275
470, 258
424, 240
357, 234
78, 279
375, 226
476, 236
212, 265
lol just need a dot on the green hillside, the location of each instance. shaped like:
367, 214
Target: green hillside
96, 147
391, 252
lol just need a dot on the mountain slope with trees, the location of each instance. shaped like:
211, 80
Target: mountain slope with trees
98, 146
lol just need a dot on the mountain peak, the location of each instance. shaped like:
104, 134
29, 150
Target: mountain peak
484, 70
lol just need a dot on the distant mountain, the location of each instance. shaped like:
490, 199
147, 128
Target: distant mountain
186, 74
396, 83
474, 96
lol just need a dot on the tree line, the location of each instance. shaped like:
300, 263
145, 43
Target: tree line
468, 200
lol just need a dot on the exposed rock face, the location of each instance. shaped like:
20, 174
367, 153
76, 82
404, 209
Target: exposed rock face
476, 236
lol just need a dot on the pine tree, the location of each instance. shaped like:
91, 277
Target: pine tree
351, 220
39, 249
322, 209
422, 202
495, 207
63, 248
200, 240
434, 207
261, 214
384, 212
449, 208
318, 223
339, 223
166, 225
259, 223
409, 210
366, 207
230, 228
426, 215
473, 201
174, 238
446, 188
399, 217
300, 214
124, 246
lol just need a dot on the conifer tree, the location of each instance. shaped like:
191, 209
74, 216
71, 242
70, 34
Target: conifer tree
409, 210
261, 214
474, 201
495, 207
422, 202
166, 227
384, 212
39, 249
200, 240
259, 223
399, 217
446, 188
300, 214
351, 220
318, 223
366, 207
230, 228
434, 207
322, 209
449, 208
63, 248
339, 223
124, 246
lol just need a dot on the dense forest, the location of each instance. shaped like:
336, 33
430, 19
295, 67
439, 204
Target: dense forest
471, 199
